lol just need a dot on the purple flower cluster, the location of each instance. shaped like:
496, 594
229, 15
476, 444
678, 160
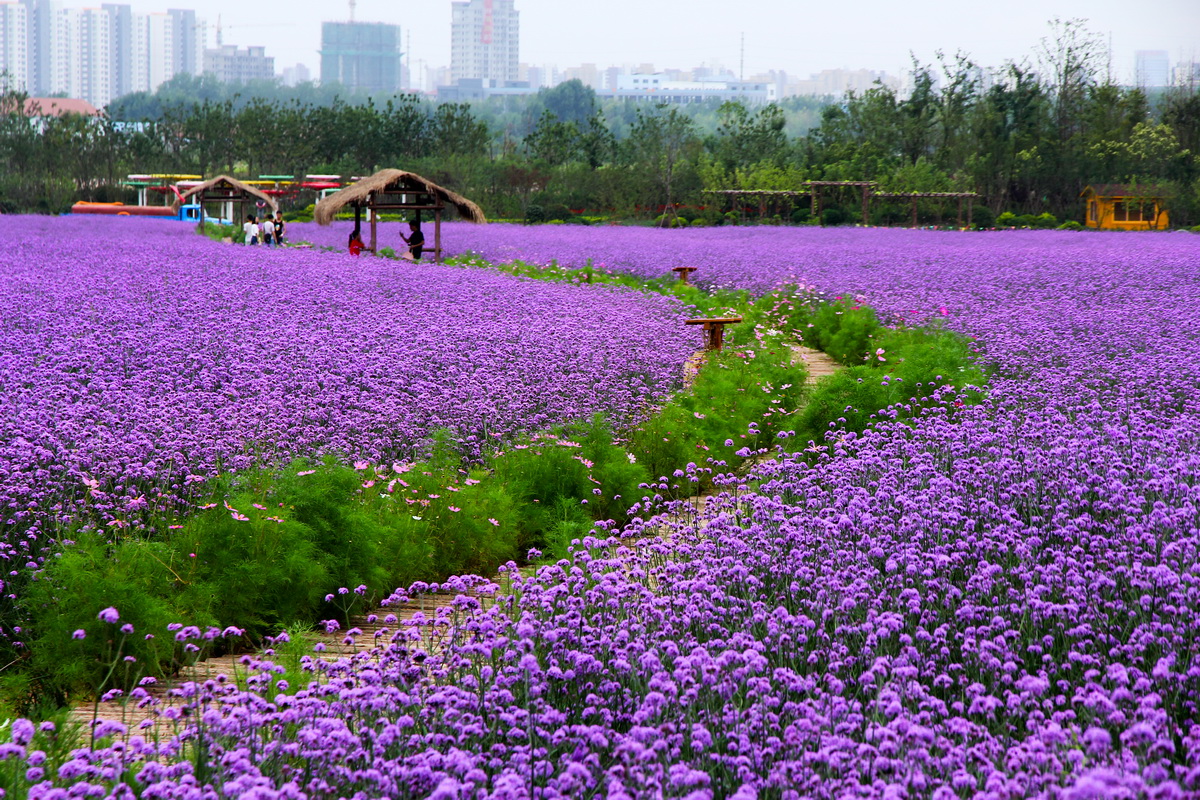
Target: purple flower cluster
997, 600
137, 358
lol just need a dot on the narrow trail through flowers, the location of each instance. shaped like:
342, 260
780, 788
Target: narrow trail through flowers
160, 708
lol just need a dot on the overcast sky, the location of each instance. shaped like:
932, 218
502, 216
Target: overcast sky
799, 36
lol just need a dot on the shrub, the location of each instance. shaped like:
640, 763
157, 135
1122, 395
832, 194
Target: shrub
982, 217
1045, 221
300, 215
833, 216
140, 578
802, 215
1070, 225
914, 363
566, 479
535, 214
843, 329
1006, 220
740, 394
889, 216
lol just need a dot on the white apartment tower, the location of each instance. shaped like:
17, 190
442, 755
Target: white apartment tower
82, 63
14, 46
484, 40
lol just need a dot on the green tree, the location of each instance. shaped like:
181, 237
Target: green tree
570, 102
456, 131
660, 143
552, 142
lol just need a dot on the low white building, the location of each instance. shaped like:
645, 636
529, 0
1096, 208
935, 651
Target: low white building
657, 87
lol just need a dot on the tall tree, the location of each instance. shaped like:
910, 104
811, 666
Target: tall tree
660, 142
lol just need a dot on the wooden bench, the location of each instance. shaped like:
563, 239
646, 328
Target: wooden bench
715, 330
684, 272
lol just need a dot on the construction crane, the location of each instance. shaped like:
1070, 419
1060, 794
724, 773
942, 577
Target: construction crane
239, 25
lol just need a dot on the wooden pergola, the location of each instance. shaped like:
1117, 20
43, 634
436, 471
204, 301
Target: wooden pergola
762, 196
815, 190
229, 192
397, 190
864, 186
913, 197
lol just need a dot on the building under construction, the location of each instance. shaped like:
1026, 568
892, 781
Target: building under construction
361, 55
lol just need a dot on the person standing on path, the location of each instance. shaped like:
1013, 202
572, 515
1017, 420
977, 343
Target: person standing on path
268, 232
278, 228
415, 240
250, 228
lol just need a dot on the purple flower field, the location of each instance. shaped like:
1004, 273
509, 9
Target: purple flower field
136, 357
1000, 600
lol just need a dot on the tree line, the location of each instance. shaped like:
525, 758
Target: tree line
1027, 139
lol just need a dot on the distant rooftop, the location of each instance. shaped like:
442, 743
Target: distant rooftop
58, 106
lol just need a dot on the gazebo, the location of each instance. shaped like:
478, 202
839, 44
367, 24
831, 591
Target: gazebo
228, 191
397, 190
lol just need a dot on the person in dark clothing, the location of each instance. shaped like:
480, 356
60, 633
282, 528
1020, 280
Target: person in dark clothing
415, 240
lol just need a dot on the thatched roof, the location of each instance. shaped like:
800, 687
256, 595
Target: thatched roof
393, 181
226, 184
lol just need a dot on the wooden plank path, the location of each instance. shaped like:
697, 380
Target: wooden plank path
363, 636
152, 715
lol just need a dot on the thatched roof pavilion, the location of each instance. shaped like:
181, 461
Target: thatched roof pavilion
227, 190
397, 190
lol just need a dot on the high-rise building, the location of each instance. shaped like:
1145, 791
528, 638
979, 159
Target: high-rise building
484, 41
123, 35
176, 45
38, 28
14, 46
361, 55
1152, 68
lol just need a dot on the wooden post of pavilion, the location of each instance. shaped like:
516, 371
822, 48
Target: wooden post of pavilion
816, 202
913, 224
970, 210
866, 204
437, 232
374, 220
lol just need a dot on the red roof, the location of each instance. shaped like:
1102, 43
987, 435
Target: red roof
57, 106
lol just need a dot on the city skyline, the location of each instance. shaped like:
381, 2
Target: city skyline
467, 20
797, 37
